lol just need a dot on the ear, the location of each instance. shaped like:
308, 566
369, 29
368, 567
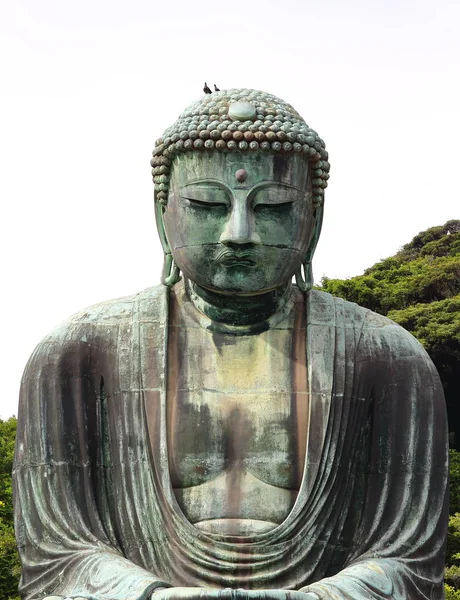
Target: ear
305, 280
159, 211
171, 272
319, 211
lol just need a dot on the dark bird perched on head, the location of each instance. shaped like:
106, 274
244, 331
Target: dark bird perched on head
206, 90
216, 89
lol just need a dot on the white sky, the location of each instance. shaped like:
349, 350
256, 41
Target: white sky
86, 87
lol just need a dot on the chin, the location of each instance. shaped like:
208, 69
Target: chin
233, 287
240, 280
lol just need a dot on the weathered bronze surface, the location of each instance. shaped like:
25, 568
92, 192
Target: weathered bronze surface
229, 434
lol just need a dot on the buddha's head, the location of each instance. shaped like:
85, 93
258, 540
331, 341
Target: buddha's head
239, 192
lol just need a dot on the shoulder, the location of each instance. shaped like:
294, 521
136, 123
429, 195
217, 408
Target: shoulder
99, 327
375, 334
383, 354
113, 313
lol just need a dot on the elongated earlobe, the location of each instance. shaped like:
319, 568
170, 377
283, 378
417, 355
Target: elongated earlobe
171, 272
304, 280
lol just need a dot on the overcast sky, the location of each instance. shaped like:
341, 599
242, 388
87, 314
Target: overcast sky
86, 87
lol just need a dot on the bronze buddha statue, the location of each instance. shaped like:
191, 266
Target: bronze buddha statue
229, 434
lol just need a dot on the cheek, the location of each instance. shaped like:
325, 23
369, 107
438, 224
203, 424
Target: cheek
304, 231
290, 229
186, 226
195, 262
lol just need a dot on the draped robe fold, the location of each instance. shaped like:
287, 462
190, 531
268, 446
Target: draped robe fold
95, 512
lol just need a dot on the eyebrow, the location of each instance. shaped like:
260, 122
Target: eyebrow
215, 182
256, 187
270, 183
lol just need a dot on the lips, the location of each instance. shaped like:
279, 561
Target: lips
237, 262
230, 258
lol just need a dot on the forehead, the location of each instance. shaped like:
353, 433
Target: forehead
199, 166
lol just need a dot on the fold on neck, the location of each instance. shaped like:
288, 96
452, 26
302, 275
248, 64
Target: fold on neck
240, 315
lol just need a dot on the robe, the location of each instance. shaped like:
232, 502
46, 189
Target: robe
95, 512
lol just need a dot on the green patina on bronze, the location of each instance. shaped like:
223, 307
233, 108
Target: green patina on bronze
240, 238
232, 435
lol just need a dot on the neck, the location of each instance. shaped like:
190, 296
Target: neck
255, 312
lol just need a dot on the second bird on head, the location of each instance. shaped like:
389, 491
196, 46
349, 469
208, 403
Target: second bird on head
207, 90
216, 89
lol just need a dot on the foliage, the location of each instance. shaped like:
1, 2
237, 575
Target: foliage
451, 593
452, 572
454, 485
9, 564
435, 325
9, 559
423, 271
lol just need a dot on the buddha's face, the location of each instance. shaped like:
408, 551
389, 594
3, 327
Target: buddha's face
239, 223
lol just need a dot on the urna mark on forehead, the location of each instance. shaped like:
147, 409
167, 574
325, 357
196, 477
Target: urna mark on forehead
241, 120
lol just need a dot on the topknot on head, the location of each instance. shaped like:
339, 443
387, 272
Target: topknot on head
240, 119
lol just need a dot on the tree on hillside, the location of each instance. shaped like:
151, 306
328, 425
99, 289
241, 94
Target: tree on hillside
419, 288
9, 560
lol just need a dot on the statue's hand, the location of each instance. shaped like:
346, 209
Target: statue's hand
276, 595
188, 593
52, 598
195, 593
64, 598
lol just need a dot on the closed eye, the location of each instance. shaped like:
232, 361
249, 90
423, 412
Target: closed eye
205, 195
204, 203
276, 206
275, 197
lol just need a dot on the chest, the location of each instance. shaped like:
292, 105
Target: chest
236, 404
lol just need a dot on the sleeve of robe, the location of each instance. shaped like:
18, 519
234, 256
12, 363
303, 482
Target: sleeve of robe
64, 547
399, 546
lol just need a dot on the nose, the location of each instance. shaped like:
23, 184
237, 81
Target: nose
240, 227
